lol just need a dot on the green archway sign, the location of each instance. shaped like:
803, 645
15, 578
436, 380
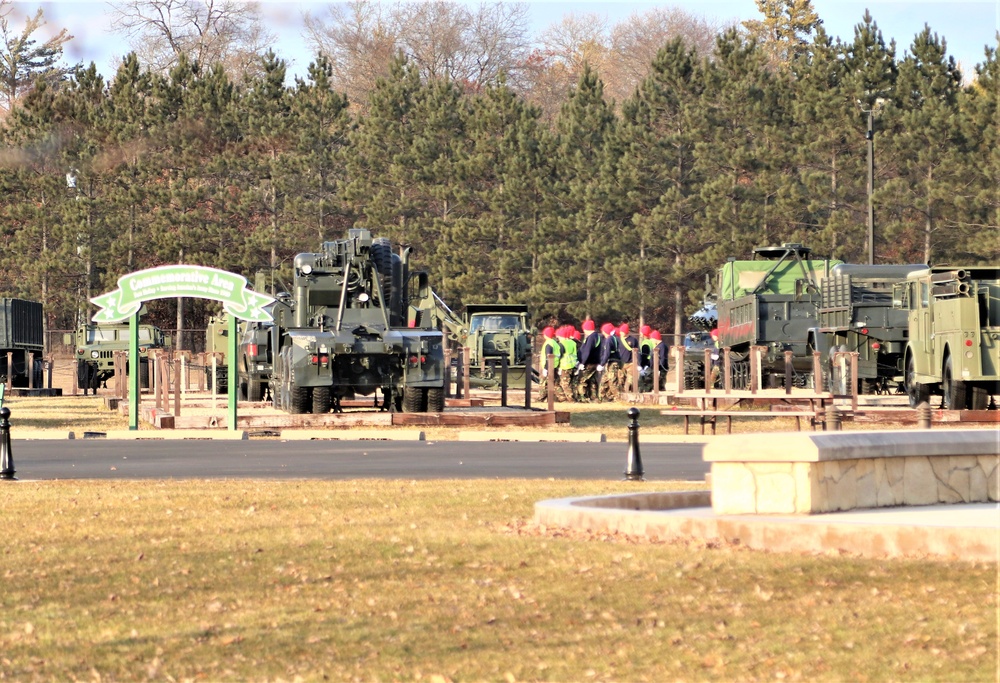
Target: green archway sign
170, 282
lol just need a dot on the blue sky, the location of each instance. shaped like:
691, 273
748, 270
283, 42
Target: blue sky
967, 26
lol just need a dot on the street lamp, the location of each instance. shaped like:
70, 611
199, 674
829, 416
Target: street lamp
870, 137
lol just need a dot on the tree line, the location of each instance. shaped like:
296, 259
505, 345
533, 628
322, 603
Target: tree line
604, 208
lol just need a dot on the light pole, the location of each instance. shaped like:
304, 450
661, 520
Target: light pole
870, 137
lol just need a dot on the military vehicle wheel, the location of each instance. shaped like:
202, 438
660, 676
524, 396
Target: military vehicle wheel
382, 257
414, 400
322, 400
918, 393
300, 400
255, 390
143, 373
435, 400
979, 398
953, 390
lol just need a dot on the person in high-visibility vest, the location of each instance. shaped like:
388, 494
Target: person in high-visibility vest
567, 364
549, 345
646, 345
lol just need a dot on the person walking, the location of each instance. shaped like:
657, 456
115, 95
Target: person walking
567, 364
627, 345
610, 363
549, 345
589, 353
646, 345
661, 352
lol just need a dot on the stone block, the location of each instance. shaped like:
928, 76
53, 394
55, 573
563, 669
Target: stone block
919, 483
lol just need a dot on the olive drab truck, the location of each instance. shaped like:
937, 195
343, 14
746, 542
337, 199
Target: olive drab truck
954, 335
94, 348
856, 315
21, 334
492, 333
355, 324
771, 301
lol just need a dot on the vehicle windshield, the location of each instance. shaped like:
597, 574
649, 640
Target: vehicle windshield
97, 334
494, 322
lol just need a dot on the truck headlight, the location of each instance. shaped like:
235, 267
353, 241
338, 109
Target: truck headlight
95, 354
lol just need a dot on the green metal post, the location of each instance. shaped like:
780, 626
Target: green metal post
232, 372
133, 375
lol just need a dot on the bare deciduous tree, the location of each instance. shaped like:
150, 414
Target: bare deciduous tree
226, 32
471, 46
23, 60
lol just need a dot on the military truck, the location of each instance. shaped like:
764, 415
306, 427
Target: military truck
491, 332
953, 348
357, 323
255, 360
21, 333
95, 345
771, 301
856, 314
217, 342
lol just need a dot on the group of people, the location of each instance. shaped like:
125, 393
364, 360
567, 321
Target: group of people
592, 366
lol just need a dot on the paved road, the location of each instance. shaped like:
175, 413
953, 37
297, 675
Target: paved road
111, 459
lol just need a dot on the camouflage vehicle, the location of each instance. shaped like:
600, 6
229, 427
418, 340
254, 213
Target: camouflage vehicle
856, 315
953, 348
491, 332
356, 323
217, 342
95, 347
21, 333
771, 301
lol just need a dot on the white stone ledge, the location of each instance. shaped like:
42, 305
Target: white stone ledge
822, 447
352, 435
570, 437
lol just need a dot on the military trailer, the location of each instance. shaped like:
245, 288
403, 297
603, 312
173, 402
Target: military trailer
21, 334
95, 346
856, 314
491, 332
354, 327
771, 301
954, 335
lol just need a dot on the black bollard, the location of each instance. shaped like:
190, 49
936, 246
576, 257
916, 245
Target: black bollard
633, 467
6, 456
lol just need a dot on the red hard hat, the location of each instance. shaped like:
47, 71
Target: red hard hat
588, 325
645, 330
608, 328
548, 333
561, 332
715, 332
623, 329
655, 334
577, 335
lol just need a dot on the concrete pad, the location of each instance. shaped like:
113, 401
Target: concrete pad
175, 435
968, 532
352, 435
40, 434
571, 437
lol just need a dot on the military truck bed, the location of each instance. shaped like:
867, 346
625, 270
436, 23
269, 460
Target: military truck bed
21, 325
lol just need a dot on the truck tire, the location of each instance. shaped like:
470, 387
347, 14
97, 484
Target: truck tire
143, 373
255, 391
918, 393
300, 401
953, 389
321, 400
979, 398
382, 258
414, 400
435, 400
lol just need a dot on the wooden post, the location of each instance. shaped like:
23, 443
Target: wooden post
679, 367
817, 372
466, 358
76, 375
656, 374
30, 369
459, 370
727, 382
503, 381
854, 381
529, 368
635, 371
447, 373
10, 369
177, 393
211, 384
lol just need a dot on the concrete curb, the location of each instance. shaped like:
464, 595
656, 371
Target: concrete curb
352, 435
41, 435
572, 437
174, 435
955, 531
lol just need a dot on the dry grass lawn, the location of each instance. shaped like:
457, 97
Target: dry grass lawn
446, 581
